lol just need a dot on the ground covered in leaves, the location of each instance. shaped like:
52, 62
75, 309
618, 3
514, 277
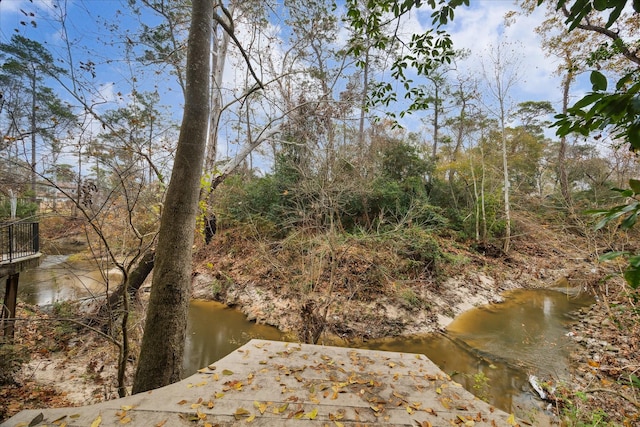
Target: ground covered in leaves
53, 363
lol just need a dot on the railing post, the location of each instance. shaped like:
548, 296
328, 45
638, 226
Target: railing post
11, 242
9, 307
36, 237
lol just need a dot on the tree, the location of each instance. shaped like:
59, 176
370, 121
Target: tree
421, 54
160, 361
35, 112
601, 109
588, 44
615, 112
529, 142
501, 78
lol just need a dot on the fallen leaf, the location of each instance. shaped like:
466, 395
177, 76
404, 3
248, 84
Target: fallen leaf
58, 421
446, 403
97, 421
36, 420
125, 420
126, 407
161, 423
261, 406
251, 418
512, 420
182, 402
280, 409
241, 413
312, 415
337, 416
227, 372
218, 395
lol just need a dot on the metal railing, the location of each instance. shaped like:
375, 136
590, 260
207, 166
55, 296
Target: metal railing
18, 240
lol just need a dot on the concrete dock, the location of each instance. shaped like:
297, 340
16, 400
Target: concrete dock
271, 383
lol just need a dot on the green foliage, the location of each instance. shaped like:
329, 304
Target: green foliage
11, 359
412, 300
481, 386
296, 195
581, 8
419, 246
65, 330
24, 208
624, 217
372, 28
401, 161
574, 416
600, 110
220, 285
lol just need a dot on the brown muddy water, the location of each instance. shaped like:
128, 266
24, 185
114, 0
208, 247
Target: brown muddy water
490, 350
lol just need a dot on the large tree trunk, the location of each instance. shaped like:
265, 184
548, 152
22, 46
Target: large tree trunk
162, 349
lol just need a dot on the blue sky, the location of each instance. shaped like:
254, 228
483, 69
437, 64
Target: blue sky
474, 28
90, 22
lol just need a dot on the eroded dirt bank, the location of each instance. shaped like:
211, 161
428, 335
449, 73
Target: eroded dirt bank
359, 288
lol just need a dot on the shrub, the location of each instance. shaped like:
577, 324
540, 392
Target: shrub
11, 359
24, 208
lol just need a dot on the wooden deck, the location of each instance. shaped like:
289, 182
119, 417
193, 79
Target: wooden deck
271, 383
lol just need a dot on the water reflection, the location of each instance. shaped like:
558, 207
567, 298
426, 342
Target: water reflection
528, 330
59, 279
489, 350
214, 330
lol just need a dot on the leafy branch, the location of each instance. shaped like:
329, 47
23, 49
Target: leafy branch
625, 216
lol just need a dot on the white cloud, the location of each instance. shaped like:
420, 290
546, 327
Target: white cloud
482, 28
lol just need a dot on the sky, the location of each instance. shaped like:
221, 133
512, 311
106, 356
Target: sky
475, 28
478, 28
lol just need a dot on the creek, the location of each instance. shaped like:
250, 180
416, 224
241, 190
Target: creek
490, 350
